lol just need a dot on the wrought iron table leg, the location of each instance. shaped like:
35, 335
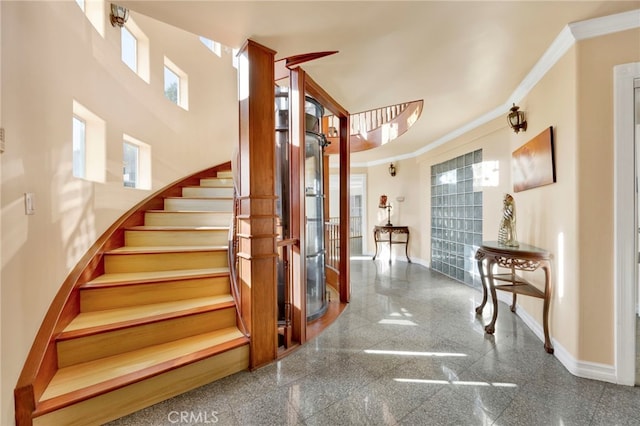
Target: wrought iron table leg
545, 310
375, 240
484, 287
491, 327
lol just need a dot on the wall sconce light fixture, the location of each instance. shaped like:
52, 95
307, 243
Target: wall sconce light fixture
119, 15
392, 169
516, 119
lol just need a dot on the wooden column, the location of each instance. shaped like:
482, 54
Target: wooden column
257, 219
298, 215
345, 211
314, 89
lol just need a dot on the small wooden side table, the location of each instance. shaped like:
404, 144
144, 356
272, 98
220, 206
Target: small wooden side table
380, 230
522, 258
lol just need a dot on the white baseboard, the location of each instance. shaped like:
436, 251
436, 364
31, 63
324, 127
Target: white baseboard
585, 369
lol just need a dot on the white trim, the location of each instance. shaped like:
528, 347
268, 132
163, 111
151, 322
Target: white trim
588, 370
567, 38
597, 27
625, 219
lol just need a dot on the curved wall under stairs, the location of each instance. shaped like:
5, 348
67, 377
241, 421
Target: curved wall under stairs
147, 314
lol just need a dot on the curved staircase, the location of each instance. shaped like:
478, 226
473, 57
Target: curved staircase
160, 319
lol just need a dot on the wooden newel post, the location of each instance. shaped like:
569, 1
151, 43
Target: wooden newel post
257, 216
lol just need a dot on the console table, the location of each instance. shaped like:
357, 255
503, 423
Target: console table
522, 258
380, 231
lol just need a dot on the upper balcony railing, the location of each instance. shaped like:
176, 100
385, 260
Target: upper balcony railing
375, 127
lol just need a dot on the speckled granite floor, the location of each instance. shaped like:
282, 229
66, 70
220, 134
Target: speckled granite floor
408, 350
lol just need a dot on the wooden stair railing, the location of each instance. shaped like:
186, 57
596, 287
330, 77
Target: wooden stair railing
233, 261
375, 127
146, 273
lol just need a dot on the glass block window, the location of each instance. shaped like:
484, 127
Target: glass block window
456, 216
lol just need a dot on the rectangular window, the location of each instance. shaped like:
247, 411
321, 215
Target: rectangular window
88, 137
129, 45
136, 163
171, 85
79, 147
213, 46
131, 165
176, 84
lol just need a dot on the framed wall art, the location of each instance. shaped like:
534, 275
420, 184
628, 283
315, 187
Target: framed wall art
534, 162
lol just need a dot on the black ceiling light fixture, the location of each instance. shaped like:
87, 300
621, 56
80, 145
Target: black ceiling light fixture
516, 119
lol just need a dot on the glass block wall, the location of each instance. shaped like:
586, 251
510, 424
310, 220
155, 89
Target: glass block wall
456, 216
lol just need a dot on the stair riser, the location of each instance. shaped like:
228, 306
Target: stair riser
187, 219
99, 299
203, 191
137, 396
220, 181
89, 348
198, 204
117, 263
204, 237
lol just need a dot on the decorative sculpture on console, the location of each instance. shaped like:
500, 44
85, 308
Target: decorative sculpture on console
507, 231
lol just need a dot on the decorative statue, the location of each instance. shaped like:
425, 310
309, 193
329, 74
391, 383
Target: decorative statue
507, 231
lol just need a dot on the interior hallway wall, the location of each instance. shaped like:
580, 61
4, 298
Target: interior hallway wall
51, 55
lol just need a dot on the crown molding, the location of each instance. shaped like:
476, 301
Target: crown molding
571, 33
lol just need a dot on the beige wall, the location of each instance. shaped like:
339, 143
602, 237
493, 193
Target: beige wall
596, 58
572, 218
403, 213
56, 56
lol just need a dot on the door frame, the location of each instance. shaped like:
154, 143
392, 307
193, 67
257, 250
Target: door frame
625, 219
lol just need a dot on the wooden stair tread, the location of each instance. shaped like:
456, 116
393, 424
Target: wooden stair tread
126, 315
138, 364
177, 228
164, 249
197, 198
109, 280
220, 212
225, 185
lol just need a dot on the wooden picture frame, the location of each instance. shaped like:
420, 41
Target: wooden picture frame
533, 164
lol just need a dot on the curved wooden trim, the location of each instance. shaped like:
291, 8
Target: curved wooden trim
41, 362
358, 142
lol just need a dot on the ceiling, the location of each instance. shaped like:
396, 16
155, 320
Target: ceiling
464, 58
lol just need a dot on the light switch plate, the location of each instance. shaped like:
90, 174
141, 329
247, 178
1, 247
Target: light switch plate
29, 206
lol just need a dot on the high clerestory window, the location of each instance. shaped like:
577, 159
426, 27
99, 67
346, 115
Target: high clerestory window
134, 49
88, 144
129, 46
94, 11
213, 46
176, 84
136, 163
